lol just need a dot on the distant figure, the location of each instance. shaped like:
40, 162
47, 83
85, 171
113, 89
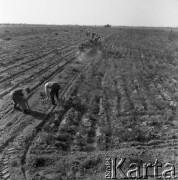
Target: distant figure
93, 35
19, 97
51, 90
96, 39
87, 33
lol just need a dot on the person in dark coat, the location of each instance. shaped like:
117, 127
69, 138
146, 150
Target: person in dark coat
93, 35
19, 97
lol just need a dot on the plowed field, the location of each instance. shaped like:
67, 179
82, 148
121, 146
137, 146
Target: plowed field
119, 100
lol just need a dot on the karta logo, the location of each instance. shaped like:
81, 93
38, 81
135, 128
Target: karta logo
114, 170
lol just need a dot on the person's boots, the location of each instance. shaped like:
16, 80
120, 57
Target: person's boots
15, 106
25, 111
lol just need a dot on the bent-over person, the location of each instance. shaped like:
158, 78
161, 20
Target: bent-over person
19, 97
52, 90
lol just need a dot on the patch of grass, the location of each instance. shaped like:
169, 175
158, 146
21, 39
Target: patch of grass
64, 146
36, 162
7, 39
42, 95
14, 163
90, 163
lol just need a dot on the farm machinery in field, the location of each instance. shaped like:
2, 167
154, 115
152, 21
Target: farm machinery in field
93, 43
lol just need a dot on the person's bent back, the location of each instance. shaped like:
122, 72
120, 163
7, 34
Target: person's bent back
51, 90
19, 97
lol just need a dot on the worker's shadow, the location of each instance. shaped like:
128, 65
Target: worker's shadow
35, 114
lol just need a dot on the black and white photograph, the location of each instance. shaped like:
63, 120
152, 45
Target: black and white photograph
88, 89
